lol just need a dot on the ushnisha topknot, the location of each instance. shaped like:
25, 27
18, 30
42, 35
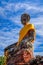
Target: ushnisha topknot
25, 18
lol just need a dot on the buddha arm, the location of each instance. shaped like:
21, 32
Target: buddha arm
31, 35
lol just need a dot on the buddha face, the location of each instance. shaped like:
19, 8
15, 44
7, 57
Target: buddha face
25, 18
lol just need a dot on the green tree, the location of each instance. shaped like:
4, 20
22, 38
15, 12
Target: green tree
1, 60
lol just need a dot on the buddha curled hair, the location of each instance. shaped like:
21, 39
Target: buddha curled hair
25, 18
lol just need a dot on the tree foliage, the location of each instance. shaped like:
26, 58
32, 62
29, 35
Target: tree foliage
1, 60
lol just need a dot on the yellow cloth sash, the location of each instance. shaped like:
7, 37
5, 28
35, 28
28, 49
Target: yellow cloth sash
24, 31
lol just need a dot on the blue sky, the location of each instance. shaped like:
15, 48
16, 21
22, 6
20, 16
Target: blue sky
10, 25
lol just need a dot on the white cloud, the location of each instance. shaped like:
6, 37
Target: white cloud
27, 6
38, 53
14, 7
2, 12
7, 38
38, 22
